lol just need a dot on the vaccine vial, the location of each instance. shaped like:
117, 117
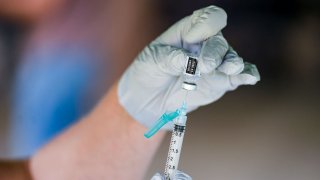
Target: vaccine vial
191, 74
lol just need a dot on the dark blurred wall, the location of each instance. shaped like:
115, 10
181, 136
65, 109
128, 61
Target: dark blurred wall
265, 33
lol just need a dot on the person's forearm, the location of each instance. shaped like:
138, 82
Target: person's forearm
107, 144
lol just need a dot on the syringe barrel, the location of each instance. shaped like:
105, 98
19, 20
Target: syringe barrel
175, 147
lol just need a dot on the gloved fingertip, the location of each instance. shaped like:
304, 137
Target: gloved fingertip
217, 16
243, 79
157, 176
249, 79
183, 176
252, 70
205, 23
231, 67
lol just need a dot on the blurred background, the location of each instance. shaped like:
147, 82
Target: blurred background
57, 58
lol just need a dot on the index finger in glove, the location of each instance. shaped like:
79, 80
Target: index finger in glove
195, 28
212, 53
205, 23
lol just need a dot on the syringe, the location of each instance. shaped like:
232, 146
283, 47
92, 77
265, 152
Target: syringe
176, 144
191, 75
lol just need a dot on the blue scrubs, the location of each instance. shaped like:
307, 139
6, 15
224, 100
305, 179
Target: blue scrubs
52, 91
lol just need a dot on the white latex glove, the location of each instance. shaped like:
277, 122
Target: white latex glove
152, 83
179, 176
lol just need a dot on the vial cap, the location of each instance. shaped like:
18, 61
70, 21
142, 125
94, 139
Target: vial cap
189, 86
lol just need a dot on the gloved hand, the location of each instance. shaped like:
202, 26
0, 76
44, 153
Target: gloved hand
152, 83
178, 176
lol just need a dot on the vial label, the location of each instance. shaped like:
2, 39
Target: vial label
191, 66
